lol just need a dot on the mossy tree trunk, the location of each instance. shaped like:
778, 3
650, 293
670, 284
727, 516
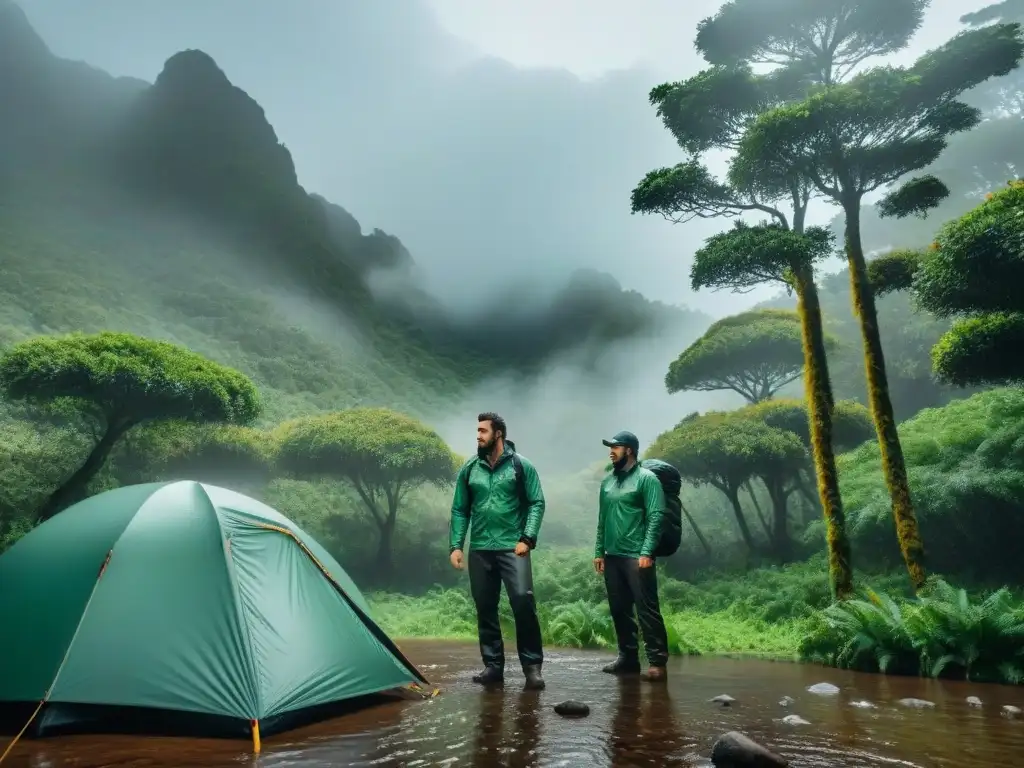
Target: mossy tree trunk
782, 545
820, 405
893, 464
696, 530
749, 488
732, 493
73, 490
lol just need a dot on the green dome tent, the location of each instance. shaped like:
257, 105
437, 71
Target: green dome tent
189, 606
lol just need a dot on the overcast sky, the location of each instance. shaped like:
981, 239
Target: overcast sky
496, 138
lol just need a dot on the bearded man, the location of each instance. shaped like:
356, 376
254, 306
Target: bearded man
499, 501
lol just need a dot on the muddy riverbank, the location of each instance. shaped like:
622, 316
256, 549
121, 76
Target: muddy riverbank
631, 724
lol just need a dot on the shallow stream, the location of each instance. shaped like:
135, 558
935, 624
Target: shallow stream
630, 724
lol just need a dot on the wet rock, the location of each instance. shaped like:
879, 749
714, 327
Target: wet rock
795, 720
823, 689
734, 750
973, 701
723, 700
786, 701
572, 708
863, 704
917, 703
1011, 711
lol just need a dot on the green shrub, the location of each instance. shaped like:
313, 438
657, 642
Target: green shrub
943, 633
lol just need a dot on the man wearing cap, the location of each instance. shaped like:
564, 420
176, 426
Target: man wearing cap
631, 506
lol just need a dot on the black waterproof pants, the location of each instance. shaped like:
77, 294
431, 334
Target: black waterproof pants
488, 570
630, 586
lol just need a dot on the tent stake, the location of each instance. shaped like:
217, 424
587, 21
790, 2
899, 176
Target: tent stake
256, 745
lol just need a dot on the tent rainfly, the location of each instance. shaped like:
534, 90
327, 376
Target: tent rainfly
190, 605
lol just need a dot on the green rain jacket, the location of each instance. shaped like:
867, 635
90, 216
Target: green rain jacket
496, 519
629, 514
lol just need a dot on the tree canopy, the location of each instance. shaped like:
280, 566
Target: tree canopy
117, 381
754, 353
882, 124
915, 197
971, 271
851, 421
977, 261
381, 453
747, 256
894, 271
823, 39
125, 379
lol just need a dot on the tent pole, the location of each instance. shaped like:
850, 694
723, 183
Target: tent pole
256, 745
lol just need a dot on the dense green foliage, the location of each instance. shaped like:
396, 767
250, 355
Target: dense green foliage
941, 633
964, 464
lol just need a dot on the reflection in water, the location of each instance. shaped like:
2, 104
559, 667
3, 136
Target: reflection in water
644, 730
632, 723
512, 744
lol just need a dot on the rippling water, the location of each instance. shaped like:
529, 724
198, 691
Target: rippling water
631, 723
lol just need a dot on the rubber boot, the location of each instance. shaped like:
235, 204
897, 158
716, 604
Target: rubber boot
534, 681
622, 666
490, 676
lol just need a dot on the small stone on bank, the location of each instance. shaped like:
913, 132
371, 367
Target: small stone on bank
973, 701
823, 689
572, 708
724, 700
734, 750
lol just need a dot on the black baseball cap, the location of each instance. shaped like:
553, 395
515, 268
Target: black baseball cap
627, 439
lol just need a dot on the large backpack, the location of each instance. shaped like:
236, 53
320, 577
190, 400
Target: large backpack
672, 521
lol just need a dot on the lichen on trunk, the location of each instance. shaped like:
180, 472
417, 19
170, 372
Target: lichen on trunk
820, 404
893, 464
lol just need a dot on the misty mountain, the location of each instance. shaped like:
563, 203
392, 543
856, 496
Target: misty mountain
195, 147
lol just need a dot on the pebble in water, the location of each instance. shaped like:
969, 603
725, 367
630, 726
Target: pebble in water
974, 701
863, 705
795, 720
917, 703
724, 700
1011, 711
823, 689
572, 708
786, 701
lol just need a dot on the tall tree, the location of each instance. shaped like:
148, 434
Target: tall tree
113, 382
746, 256
803, 44
852, 139
381, 453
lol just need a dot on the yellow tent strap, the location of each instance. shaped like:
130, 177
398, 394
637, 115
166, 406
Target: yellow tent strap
256, 745
21, 732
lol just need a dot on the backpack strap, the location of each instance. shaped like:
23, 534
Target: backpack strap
517, 467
